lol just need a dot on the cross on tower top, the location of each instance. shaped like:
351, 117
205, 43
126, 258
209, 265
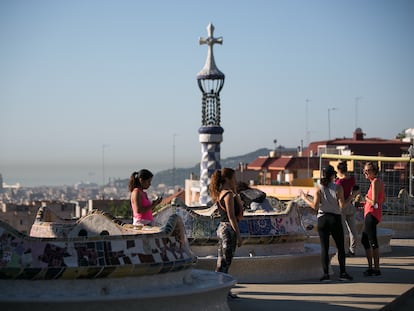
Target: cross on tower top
210, 70
210, 40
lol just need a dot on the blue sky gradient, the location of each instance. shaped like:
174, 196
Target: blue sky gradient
82, 74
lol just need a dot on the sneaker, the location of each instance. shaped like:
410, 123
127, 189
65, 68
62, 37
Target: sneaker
325, 278
345, 277
350, 254
369, 272
231, 295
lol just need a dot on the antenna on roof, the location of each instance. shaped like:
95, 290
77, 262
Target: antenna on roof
357, 99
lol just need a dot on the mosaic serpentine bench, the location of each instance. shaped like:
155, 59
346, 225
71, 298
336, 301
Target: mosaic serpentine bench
282, 225
106, 264
147, 252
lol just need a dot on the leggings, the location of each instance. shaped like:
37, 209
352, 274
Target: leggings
331, 224
369, 234
226, 246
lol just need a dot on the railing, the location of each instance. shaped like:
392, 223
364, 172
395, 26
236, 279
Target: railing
395, 172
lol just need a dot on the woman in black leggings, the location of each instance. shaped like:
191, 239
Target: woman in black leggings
328, 201
372, 216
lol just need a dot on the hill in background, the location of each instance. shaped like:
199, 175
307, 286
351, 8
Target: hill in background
181, 174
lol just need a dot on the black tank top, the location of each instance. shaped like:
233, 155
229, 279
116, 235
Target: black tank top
223, 211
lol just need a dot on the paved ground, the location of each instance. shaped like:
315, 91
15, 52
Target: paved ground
393, 290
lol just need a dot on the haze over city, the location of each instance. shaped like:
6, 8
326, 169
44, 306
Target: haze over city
92, 84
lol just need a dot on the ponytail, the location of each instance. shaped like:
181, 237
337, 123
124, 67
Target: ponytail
215, 185
133, 181
326, 175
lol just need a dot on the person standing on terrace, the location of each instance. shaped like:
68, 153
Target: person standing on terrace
328, 201
372, 216
223, 191
348, 211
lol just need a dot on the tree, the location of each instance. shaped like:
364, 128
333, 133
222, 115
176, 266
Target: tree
401, 135
123, 211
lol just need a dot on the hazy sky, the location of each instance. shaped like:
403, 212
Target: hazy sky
89, 82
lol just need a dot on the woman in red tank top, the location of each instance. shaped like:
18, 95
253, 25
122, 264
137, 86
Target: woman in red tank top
372, 216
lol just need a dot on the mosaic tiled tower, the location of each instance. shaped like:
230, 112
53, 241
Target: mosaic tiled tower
210, 81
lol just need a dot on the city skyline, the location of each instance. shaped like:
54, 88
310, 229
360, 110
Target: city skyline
97, 89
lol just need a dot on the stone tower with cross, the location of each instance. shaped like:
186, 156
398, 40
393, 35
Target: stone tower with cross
210, 81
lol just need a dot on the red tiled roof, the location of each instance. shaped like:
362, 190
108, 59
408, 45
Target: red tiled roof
368, 146
285, 163
259, 163
280, 163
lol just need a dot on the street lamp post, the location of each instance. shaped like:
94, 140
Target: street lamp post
410, 174
173, 169
307, 123
357, 99
103, 170
329, 120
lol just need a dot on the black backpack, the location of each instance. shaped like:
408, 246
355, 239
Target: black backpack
252, 195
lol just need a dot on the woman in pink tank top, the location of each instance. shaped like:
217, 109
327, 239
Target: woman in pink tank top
140, 204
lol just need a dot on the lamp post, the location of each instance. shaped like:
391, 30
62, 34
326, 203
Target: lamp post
410, 175
103, 170
307, 122
329, 121
357, 99
173, 169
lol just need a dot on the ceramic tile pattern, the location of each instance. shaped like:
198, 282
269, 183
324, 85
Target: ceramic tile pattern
23, 257
201, 229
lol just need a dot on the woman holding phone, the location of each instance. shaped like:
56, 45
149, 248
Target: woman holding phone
142, 206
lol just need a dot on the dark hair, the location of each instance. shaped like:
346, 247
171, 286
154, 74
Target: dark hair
135, 176
342, 167
217, 180
326, 175
372, 166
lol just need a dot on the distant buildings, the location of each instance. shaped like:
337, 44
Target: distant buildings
360, 145
301, 168
298, 169
283, 170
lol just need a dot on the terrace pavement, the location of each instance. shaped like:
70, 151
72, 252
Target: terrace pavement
393, 290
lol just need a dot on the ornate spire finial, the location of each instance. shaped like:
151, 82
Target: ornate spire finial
210, 70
